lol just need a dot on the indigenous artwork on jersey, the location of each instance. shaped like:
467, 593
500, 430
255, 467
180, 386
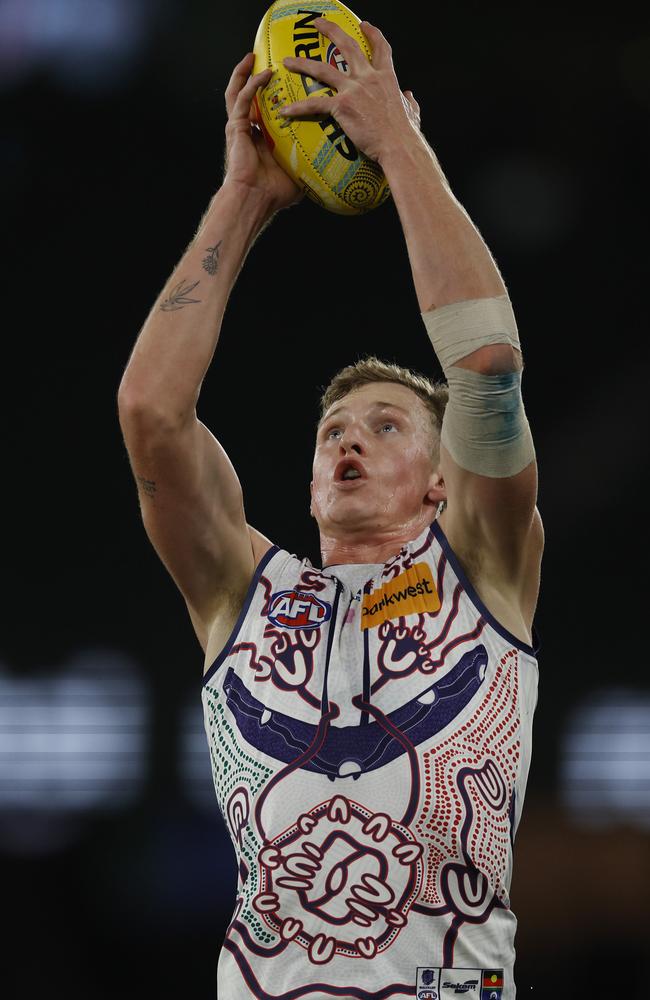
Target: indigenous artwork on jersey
368, 771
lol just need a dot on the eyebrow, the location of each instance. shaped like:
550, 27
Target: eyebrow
377, 405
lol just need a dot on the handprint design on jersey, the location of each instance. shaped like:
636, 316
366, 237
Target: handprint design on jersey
335, 875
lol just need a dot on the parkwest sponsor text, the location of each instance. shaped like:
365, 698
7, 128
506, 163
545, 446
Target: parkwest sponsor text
412, 592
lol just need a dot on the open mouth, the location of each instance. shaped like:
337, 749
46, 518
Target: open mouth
349, 471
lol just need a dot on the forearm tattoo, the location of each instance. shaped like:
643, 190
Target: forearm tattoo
179, 296
211, 260
148, 486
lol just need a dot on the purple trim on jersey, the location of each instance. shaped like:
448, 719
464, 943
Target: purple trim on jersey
324, 705
346, 992
366, 675
449, 943
252, 945
286, 738
242, 614
431, 911
318, 739
511, 817
295, 764
399, 735
473, 596
426, 545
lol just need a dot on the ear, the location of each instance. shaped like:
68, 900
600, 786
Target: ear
437, 491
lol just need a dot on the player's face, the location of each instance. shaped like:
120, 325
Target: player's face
382, 431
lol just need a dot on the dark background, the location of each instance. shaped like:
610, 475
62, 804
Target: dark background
111, 146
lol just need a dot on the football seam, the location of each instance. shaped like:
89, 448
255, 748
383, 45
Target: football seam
268, 38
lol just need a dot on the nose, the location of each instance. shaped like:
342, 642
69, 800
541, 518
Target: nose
350, 441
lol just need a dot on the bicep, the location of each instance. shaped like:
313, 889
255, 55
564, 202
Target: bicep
495, 517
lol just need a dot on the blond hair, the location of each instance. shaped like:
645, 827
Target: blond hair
434, 395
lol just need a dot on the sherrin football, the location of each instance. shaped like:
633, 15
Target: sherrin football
317, 154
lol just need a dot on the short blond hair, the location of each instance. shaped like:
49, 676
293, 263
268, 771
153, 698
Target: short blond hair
369, 369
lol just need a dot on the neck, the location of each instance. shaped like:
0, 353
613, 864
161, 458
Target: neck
369, 547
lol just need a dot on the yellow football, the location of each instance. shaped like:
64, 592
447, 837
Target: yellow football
316, 153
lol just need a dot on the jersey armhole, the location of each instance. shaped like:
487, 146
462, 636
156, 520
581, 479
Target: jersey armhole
468, 587
266, 558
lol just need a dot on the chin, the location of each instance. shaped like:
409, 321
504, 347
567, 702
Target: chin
354, 516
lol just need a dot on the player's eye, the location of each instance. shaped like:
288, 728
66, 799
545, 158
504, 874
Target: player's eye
389, 425
332, 431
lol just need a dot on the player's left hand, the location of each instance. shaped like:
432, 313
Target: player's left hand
367, 101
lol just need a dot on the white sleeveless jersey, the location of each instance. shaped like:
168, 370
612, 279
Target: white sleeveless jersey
370, 750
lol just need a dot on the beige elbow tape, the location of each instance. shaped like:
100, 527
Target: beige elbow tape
485, 429
460, 328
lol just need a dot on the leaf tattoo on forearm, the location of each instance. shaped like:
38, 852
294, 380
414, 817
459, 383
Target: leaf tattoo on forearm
211, 261
179, 296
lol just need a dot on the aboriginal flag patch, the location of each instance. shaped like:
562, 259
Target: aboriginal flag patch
412, 592
492, 984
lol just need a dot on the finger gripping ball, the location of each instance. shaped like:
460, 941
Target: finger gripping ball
315, 152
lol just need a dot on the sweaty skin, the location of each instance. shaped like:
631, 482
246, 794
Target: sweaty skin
368, 520
191, 498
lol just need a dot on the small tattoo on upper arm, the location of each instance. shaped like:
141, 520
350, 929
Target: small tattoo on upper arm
179, 296
148, 485
211, 260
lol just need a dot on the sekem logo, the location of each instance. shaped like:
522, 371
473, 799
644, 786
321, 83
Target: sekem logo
466, 987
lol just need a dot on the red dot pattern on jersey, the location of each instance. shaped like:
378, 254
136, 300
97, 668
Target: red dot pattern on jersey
489, 735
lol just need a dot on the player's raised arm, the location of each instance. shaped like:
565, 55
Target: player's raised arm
190, 496
487, 456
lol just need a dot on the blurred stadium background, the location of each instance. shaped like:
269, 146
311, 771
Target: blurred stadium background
116, 870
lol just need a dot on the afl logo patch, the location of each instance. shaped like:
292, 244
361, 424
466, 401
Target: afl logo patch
294, 609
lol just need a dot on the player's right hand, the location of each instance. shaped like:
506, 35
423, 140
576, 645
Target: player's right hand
249, 162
